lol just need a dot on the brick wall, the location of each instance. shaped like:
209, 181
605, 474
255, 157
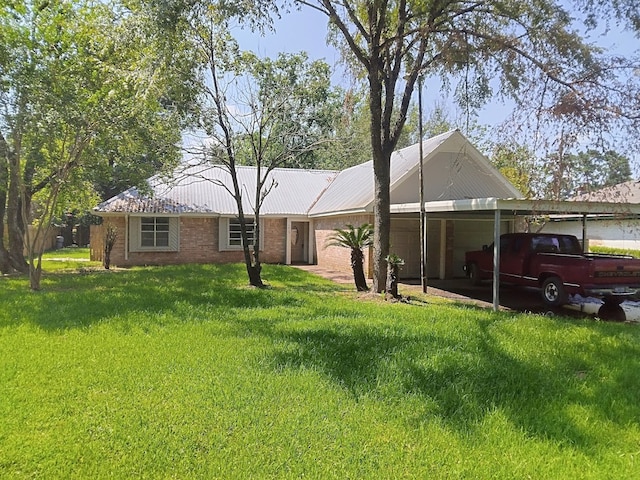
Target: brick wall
198, 244
337, 258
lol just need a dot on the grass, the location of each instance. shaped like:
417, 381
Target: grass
70, 258
184, 372
614, 251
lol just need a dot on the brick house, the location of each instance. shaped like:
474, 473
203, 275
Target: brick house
191, 218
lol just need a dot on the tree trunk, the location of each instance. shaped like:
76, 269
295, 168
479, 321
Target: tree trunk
15, 223
255, 279
381, 147
5, 265
357, 258
35, 274
381, 222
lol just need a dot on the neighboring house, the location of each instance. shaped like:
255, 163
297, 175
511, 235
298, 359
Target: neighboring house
618, 229
192, 217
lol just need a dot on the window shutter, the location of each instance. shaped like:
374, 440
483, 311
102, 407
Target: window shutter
223, 231
134, 234
174, 233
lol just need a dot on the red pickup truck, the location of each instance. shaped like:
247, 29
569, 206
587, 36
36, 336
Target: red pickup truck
557, 265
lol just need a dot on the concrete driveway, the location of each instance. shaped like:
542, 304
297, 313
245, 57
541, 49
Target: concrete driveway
511, 298
527, 300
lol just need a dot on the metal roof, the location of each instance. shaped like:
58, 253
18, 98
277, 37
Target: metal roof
517, 206
201, 189
453, 170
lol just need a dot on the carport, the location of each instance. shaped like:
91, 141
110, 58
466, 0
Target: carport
513, 208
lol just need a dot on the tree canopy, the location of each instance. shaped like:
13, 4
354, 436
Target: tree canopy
85, 88
267, 113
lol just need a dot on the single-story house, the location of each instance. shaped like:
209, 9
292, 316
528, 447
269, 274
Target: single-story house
191, 217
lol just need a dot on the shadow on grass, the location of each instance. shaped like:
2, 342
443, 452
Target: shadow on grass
460, 369
461, 380
78, 300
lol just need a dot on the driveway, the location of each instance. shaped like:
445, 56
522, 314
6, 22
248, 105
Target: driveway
511, 298
527, 300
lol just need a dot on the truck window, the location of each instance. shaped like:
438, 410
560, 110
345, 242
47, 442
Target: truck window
544, 244
517, 244
570, 245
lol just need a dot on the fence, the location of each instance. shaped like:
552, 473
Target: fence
48, 241
96, 248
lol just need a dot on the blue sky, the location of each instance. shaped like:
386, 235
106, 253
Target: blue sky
305, 30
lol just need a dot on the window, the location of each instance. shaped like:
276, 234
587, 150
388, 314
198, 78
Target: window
230, 237
235, 233
154, 232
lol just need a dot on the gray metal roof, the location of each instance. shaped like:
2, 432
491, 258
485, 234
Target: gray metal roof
453, 170
200, 189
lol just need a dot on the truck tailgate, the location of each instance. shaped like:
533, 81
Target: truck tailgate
616, 270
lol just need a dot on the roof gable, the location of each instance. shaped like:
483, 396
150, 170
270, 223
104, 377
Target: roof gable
453, 170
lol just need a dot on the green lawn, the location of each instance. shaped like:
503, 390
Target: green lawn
70, 258
184, 372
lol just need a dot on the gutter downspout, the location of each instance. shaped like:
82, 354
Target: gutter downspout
287, 243
126, 237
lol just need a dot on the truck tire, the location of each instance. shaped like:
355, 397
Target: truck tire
553, 293
474, 274
612, 300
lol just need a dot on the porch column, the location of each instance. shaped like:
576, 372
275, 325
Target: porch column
126, 237
287, 243
311, 240
443, 250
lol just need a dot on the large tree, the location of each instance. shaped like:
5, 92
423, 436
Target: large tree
253, 111
530, 48
75, 76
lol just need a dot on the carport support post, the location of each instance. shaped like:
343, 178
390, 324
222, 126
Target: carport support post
423, 213
496, 260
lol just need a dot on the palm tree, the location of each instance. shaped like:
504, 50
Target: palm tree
356, 239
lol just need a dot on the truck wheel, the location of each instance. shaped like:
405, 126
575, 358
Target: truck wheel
611, 300
474, 274
553, 293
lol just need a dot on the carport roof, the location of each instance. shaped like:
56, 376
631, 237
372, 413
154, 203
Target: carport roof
522, 207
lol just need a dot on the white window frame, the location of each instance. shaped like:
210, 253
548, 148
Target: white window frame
136, 234
226, 242
155, 229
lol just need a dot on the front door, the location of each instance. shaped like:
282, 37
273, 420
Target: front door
299, 248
